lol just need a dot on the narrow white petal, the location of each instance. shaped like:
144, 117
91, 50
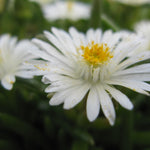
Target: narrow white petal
7, 82
106, 104
90, 35
53, 39
76, 95
93, 104
121, 98
106, 36
78, 38
138, 77
98, 35
144, 68
134, 59
137, 86
62, 85
63, 40
58, 98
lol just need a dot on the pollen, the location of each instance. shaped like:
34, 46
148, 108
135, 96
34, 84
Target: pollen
70, 5
42, 68
96, 54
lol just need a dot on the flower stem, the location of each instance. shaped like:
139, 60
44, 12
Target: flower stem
105, 19
95, 20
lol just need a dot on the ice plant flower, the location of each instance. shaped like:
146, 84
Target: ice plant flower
42, 2
14, 58
133, 2
90, 65
129, 36
143, 29
66, 10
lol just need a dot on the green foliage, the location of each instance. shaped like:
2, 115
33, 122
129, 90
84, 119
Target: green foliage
27, 122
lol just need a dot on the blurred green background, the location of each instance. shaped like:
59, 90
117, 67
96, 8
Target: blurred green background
27, 122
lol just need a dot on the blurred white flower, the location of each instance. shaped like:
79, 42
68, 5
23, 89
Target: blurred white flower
14, 59
143, 28
129, 36
66, 10
91, 64
42, 2
133, 2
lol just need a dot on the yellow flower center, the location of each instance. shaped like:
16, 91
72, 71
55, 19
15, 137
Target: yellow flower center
69, 5
96, 54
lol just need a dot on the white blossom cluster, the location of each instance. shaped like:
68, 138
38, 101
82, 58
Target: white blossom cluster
79, 66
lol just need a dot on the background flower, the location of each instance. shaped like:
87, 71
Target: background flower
66, 10
14, 59
42, 2
143, 28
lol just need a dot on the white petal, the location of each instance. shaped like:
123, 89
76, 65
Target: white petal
98, 35
93, 105
134, 59
63, 39
106, 36
107, 105
137, 86
138, 77
121, 98
7, 82
144, 68
90, 35
58, 98
76, 95
78, 38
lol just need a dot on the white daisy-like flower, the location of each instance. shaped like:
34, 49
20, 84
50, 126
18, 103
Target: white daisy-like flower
14, 59
90, 65
66, 10
42, 2
129, 36
133, 2
143, 29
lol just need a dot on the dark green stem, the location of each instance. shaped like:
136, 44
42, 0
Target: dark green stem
109, 22
95, 20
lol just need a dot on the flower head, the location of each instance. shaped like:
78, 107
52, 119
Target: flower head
129, 36
92, 64
42, 2
14, 58
143, 28
66, 10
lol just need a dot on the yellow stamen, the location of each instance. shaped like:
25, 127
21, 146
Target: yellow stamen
42, 68
96, 54
69, 5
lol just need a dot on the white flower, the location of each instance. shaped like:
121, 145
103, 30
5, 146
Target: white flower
91, 64
133, 2
143, 29
42, 2
14, 58
66, 10
129, 36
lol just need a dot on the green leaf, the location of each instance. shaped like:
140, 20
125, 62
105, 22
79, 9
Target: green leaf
79, 145
84, 135
8, 145
23, 129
